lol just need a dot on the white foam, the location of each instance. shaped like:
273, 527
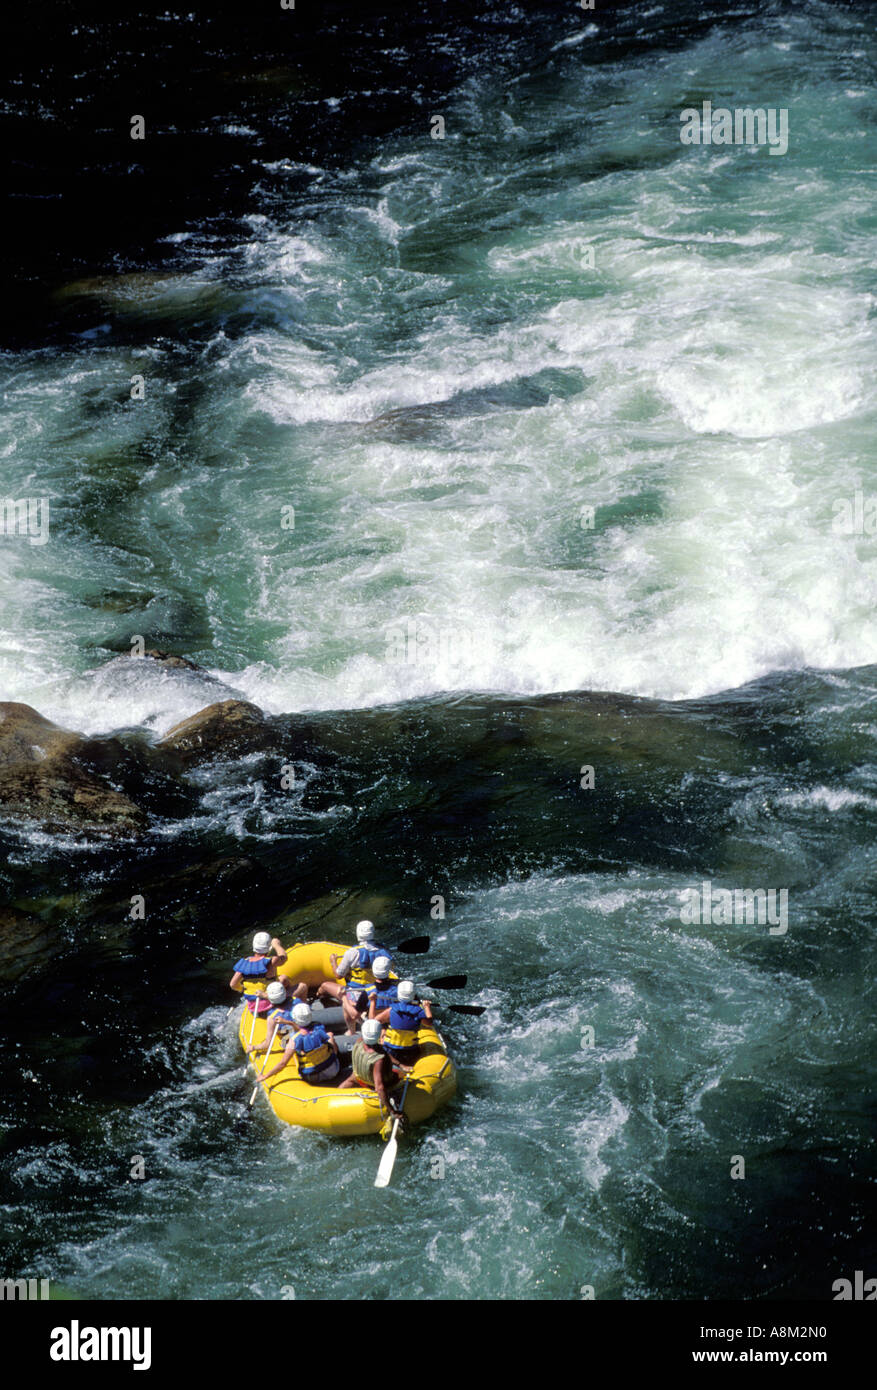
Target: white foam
727, 356
575, 39
594, 1135
828, 798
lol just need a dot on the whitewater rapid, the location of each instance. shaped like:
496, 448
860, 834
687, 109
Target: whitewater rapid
556, 405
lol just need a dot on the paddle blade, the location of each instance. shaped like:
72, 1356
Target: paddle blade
414, 946
448, 982
474, 1009
388, 1159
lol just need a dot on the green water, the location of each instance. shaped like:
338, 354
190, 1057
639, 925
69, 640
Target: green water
449, 358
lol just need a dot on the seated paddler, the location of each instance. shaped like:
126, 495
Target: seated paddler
315, 1049
403, 1020
386, 991
278, 1020
253, 974
371, 1066
354, 978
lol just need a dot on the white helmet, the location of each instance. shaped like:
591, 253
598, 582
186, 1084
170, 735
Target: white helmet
365, 931
276, 992
371, 1031
302, 1014
405, 991
261, 942
381, 967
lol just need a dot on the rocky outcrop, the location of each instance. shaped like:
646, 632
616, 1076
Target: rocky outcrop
109, 786
26, 737
45, 777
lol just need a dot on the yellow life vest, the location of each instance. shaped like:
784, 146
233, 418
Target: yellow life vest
397, 1035
313, 1053
361, 970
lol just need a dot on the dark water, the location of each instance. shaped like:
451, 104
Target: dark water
403, 338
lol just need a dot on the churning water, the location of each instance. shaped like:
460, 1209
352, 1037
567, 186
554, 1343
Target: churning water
555, 403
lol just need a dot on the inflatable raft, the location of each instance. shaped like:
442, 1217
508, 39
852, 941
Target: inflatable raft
355, 1110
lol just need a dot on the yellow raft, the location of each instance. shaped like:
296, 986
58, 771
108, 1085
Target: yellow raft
432, 1082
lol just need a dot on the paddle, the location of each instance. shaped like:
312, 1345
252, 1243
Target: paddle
388, 1157
255, 999
456, 982
265, 1063
414, 946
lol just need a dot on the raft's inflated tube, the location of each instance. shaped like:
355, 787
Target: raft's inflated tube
433, 1079
330, 1018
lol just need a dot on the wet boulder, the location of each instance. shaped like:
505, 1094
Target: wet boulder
45, 777
229, 728
174, 663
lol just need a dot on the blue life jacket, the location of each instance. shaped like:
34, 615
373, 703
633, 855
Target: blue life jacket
386, 995
314, 1052
401, 1031
254, 972
361, 969
281, 1019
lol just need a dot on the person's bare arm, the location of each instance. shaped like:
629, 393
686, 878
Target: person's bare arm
341, 974
284, 1061
236, 982
380, 1083
280, 957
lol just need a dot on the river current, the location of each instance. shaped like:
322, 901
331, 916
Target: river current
433, 432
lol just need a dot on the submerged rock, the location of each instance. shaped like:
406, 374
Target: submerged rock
151, 663
334, 917
412, 422
218, 890
44, 777
26, 944
175, 663
145, 294
119, 601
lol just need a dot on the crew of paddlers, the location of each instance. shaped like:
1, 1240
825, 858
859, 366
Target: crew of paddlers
380, 1010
